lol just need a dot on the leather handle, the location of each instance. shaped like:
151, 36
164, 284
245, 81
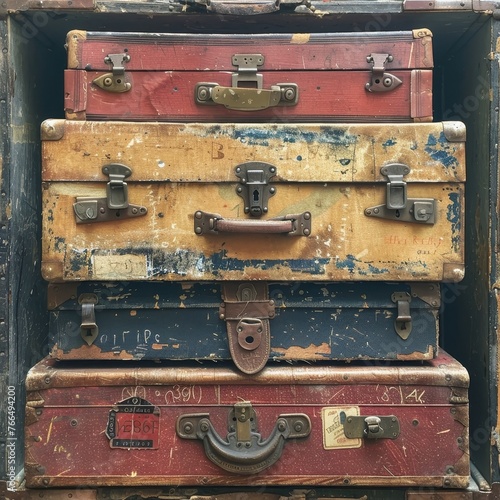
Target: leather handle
243, 457
293, 224
247, 99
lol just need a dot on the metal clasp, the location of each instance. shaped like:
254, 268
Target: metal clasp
116, 188
403, 321
246, 73
242, 420
88, 328
396, 187
115, 206
398, 206
371, 427
246, 92
255, 177
380, 80
114, 81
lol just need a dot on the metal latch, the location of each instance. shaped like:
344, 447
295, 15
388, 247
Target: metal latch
243, 451
371, 427
115, 206
381, 81
88, 329
398, 206
246, 92
114, 81
255, 177
403, 322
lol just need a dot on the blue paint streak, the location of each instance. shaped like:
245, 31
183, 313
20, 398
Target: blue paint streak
438, 150
325, 135
389, 142
453, 216
219, 262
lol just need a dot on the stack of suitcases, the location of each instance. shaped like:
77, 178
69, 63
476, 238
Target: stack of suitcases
244, 238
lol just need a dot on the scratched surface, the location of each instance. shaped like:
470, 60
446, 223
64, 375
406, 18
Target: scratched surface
71, 409
333, 172
163, 72
181, 322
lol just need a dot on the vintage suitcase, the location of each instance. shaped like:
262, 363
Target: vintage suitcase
301, 321
361, 76
404, 424
249, 493
202, 202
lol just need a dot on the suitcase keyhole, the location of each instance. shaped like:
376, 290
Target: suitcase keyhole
88, 332
403, 326
256, 195
249, 339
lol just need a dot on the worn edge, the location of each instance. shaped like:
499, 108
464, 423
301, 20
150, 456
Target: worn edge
421, 32
430, 293
454, 131
52, 129
73, 39
453, 272
58, 293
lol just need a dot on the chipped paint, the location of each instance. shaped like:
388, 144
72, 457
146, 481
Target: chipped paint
324, 135
453, 215
439, 150
389, 142
310, 352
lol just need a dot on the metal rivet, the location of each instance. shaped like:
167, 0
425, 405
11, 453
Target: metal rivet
73, 423
45, 482
188, 428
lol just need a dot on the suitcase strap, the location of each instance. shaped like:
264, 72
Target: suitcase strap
247, 310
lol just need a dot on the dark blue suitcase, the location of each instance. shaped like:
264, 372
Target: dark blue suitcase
249, 323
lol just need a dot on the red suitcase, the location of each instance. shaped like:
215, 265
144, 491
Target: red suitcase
390, 425
365, 76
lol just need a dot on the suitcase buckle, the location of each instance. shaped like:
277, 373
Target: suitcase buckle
380, 80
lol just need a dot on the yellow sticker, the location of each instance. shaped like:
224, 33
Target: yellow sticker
333, 427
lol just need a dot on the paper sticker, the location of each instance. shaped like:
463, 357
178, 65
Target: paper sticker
119, 267
134, 423
333, 427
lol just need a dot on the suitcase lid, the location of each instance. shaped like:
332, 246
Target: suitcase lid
443, 371
138, 295
102, 51
207, 152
